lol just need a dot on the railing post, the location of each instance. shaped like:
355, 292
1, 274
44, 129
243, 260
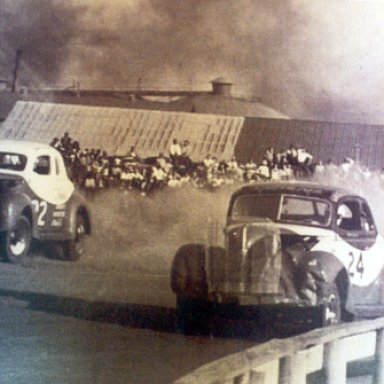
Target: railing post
378, 376
292, 369
256, 377
251, 377
334, 364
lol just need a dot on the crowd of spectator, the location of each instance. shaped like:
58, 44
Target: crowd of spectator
94, 169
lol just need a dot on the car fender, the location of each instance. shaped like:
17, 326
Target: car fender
319, 269
14, 205
77, 205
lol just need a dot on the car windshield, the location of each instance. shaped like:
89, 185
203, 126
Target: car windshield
253, 206
12, 161
295, 209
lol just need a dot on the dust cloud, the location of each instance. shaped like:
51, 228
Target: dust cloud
146, 231
359, 181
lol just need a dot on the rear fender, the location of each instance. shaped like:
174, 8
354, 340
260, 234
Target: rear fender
75, 210
77, 206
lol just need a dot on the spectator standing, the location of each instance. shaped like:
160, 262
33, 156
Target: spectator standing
175, 152
132, 155
263, 170
269, 155
185, 148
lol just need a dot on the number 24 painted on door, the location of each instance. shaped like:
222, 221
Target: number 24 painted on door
356, 264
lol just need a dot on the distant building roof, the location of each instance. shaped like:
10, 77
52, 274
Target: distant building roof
221, 80
225, 105
207, 103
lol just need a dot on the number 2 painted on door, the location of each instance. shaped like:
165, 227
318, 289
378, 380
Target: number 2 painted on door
41, 210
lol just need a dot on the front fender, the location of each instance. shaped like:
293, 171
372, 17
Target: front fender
12, 207
317, 270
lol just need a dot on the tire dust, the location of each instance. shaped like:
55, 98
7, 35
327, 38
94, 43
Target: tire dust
146, 231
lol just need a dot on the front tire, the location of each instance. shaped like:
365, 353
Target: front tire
74, 248
189, 283
193, 315
15, 243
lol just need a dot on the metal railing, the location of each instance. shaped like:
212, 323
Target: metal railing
325, 351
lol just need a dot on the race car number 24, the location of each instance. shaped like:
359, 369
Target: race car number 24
40, 208
356, 264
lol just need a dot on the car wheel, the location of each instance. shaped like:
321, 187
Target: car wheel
15, 242
74, 248
193, 315
189, 282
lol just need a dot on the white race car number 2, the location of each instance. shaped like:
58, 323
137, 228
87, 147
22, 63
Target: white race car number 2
40, 208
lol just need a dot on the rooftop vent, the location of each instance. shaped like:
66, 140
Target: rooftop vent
221, 86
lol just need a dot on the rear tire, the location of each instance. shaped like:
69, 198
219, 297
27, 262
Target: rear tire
74, 248
15, 243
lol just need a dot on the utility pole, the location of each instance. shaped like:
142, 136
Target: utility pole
357, 153
16, 69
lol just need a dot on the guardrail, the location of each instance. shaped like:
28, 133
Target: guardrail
323, 352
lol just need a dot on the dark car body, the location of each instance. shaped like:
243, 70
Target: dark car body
291, 245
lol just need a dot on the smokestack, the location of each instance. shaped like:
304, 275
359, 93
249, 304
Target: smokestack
16, 69
221, 86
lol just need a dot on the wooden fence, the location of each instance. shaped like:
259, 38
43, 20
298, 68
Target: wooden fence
319, 356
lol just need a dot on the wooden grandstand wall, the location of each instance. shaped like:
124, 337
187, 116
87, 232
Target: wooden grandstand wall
151, 132
117, 129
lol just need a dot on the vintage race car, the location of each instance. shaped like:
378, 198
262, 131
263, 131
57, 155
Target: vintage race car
38, 200
289, 247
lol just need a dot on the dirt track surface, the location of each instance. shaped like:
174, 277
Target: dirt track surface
40, 347
84, 322
109, 317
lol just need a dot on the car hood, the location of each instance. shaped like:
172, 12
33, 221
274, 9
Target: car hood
283, 228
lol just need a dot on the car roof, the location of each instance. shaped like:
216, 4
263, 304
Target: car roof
303, 188
24, 147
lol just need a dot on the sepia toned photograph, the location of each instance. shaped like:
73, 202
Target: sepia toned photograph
191, 191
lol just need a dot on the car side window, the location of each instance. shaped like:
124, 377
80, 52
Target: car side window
42, 165
354, 215
367, 222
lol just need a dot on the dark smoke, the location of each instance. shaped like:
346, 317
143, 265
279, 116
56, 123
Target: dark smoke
42, 30
307, 59
144, 232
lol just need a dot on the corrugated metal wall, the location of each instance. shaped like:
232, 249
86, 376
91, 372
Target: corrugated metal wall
116, 130
325, 140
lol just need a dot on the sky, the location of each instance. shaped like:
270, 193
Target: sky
313, 59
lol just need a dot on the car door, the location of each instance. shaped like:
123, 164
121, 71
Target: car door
362, 250
51, 191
